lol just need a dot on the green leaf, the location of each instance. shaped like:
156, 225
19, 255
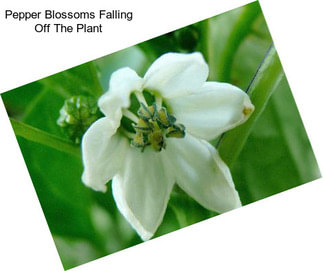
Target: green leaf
230, 48
75, 251
240, 30
80, 80
191, 38
17, 100
36, 135
68, 205
250, 53
56, 175
157, 46
57, 179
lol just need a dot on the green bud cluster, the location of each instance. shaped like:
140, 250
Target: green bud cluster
153, 126
76, 115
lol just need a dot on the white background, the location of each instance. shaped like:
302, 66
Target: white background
283, 232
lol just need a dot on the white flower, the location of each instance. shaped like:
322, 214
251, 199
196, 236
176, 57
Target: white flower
145, 160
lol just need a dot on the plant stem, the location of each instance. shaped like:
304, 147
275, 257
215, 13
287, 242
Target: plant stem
263, 84
239, 32
36, 135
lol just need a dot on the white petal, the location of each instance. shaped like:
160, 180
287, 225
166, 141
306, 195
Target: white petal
122, 83
103, 153
142, 190
216, 108
175, 75
202, 174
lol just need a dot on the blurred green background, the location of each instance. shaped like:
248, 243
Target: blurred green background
86, 224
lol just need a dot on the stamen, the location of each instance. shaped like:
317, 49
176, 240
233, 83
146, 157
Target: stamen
177, 131
159, 101
142, 126
165, 119
140, 97
156, 138
152, 124
147, 113
128, 114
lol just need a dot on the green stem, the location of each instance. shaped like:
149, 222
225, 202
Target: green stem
263, 84
239, 32
36, 135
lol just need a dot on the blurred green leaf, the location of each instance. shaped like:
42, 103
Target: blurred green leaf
244, 50
65, 200
250, 53
260, 89
80, 80
75, 251
56, 175
194, 37
43, 111
17, 100
277, 155
266, 164
33, 134
238, 33
157, 46
70, 208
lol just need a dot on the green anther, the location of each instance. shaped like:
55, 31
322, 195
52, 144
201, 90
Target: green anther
164, 119
142, 126
154, 126
147, 113
171, 119
139, 141
153, 110
156, 139
177, 131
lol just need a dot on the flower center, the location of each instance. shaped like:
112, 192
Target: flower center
150, 124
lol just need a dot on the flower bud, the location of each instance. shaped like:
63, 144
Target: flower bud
76, 115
